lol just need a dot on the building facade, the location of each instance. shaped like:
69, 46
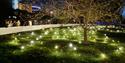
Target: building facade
25, 6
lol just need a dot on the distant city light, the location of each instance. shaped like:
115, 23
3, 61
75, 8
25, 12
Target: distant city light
15, 4
123, 12
51, 12
37, 7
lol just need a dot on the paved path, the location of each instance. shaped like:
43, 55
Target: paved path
10, 30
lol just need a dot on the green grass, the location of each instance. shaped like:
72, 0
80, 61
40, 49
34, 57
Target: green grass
61, 45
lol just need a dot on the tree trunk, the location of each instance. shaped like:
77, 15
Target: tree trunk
85, 35
84, 24
85, 32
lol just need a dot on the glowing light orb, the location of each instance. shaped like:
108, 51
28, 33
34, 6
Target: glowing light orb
70, 45
22, 47
80, 42
105, 34
40, 36
32, 33
37, 38
107, 29
49, 20
32, 42
119, 51
68, 27
74, 48
103, 56
55, 33
57, 37
56, 47
41, 42
113, 40
118, 31
99, 28
121, 48
51, 29
19, 34
47, 32
106, 37
114, 44
51, 12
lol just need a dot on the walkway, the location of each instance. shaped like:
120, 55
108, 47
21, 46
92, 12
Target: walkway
10, 30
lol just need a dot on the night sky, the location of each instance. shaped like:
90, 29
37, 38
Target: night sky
5, 8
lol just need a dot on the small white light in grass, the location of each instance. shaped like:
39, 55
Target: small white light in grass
106, 37
22, 47
64, 31
55, 33
74, 33
51, 29
46, 32
70, 45
94, 40
56, 47
49, 20
15, 38
113, 44
118, 41
74, 29
105, 34
74, 48
19, 34
32, 33
42, 43
121, 48
99, 28
103, 56
91, 28
57, 37
113, 26
31, 42
118, 31
119, 51
107, 29
104, 42
113, 40
68, 27
80, 42
40, 36
111, 31
92, 32
27, 37
37, 38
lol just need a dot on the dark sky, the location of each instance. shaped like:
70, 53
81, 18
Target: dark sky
5, 8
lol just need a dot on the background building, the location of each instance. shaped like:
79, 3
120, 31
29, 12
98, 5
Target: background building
25, 6
22, 5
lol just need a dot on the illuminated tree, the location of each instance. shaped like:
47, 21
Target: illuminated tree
93, 10
85, 11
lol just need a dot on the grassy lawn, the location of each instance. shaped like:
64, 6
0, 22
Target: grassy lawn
62, 45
